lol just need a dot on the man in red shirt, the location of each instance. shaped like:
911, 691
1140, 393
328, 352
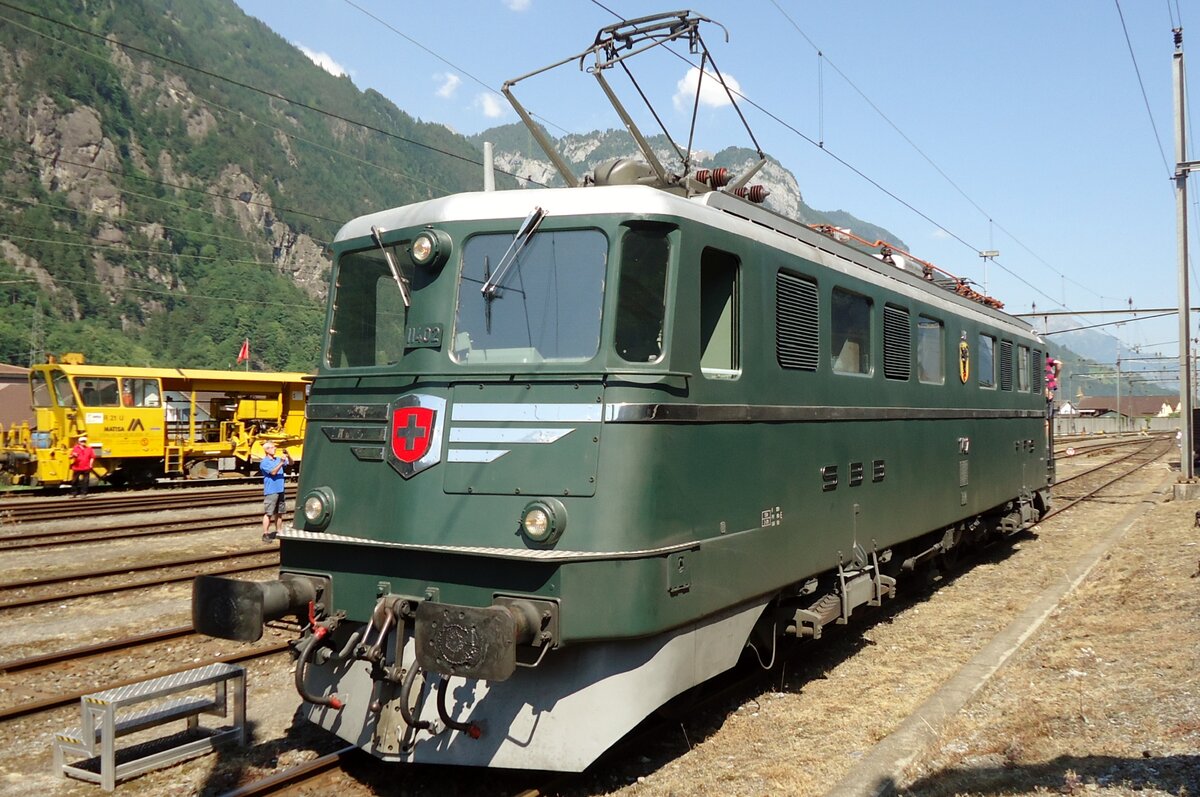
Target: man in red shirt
82, 457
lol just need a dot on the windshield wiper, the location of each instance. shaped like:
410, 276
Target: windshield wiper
376, 236
519, 241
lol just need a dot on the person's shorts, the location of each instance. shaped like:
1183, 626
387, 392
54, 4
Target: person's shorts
274, 504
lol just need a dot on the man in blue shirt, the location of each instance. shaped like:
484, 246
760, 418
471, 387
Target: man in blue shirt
273, 503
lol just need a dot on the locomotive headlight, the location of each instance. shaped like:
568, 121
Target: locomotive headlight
543, 521
430, 248
318, 508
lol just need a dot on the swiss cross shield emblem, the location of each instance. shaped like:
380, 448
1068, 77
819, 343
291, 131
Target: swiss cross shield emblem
412, 429
414, 433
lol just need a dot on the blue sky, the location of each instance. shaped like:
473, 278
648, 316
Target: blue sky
1018, 126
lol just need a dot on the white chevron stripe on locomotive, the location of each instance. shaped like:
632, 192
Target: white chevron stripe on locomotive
512, 413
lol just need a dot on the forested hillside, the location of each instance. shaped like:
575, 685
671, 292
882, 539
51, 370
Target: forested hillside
154, 213
171, 171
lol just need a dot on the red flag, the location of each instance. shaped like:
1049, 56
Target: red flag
244, 354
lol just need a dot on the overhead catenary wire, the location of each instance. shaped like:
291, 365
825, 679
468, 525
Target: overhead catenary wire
250, 87
450, 64
823, 58
213, 103
1146, 100
1142, 86
879, 186
186, 297
151, 198
131, 250
126, 219
232, 198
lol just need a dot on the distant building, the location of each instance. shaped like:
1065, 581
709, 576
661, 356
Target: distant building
1130, 406
14, 395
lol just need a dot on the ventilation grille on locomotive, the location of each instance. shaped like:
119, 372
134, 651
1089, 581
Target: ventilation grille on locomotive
1006, 365
796, 322
897, 343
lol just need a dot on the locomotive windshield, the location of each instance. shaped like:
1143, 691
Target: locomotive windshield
41, 389
368, 314
544, 307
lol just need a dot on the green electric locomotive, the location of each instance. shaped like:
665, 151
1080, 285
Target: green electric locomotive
571, 451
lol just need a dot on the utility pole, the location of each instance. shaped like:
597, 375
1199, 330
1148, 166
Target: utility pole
37, 343
1187, 467
1119, 424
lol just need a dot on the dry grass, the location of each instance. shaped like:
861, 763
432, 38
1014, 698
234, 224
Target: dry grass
1103, 698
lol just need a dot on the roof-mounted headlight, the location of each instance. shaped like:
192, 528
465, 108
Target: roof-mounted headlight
543, 521
430, 248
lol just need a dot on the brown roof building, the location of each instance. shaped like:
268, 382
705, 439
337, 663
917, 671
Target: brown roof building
1131, 406
14, 395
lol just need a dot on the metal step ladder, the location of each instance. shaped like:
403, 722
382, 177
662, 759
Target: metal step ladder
172, 459
105, 716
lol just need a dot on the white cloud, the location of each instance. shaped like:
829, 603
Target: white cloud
489, 105
940, 233
449, 84
712, 94
518, 5
323, 60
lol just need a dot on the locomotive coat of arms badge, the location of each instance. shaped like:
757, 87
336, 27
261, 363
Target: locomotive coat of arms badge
414, 433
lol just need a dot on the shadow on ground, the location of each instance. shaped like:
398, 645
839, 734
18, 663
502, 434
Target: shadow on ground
1170, 774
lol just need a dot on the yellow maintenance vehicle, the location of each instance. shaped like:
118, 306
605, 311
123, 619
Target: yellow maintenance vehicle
150, 423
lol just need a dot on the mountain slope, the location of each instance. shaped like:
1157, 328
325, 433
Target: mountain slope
162, 213
161, 199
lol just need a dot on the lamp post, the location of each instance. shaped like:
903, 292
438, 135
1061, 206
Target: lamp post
1119, 389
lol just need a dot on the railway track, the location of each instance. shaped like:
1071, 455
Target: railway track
1155, 445
722, 697
14, 511
1085, 446
34, 592
41, 537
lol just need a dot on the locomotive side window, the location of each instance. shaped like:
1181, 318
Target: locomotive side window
796, 314
1023, 369
62, 390
719, 344
368, 314
98, 392
987, 361
897, 343
851, 334
544, 306
931, 351
140, 393
641, 298
1006, 365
